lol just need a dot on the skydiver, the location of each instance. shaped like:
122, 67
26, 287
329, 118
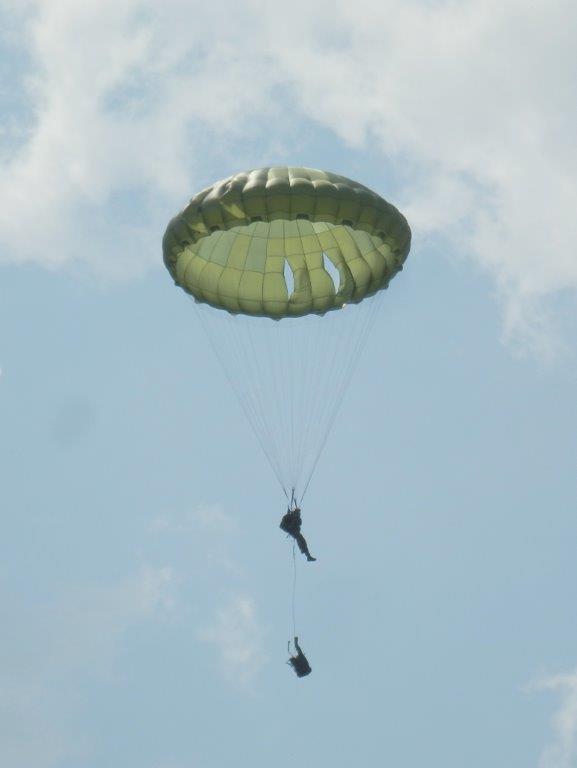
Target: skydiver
291, 524
299, 662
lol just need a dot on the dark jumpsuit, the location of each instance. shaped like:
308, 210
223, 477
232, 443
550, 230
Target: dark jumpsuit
291, 524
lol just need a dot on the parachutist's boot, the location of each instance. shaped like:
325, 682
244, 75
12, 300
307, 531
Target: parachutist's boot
310, 558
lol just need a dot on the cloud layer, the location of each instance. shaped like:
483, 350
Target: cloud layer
562, 751
474, 101
52, 653
230, 626
238, 638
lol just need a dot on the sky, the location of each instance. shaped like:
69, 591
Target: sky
145, 589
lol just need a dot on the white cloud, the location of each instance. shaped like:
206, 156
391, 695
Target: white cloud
156, 590
209, 517
214, 518
27, 738
48, 656
475, 101
209, 530
85, 627
233, 630
238, 637
562, 751
119, 95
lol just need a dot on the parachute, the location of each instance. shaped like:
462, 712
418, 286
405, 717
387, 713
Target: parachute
287, 267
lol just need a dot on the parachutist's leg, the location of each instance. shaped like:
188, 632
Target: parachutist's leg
301, 541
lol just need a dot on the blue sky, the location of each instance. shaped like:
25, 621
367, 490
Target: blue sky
144, 585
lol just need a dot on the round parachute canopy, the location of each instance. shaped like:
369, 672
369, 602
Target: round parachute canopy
265, 242
295, 243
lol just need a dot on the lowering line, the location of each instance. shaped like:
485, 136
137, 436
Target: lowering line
294, 591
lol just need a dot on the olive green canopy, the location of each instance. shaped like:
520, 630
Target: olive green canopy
232, 243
